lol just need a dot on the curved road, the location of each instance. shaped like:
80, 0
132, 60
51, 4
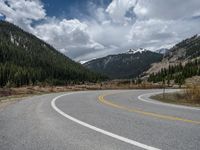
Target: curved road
98, 120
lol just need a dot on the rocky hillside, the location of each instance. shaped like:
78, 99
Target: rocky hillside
125, 65
27, 60
185, 50
180, 63
182, 52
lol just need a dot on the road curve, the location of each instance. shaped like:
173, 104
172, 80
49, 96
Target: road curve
94, 120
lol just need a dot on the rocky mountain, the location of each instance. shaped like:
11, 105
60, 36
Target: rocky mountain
185, 50
133, 51
125, 65
180, 63
25, 60
182, 52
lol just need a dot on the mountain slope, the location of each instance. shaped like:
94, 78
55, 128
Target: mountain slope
126, 65
181, 53
25, 59
181, 62
185, 50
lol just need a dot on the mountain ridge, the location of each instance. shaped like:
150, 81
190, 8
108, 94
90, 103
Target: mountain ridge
181, 52
124, 65
181, 62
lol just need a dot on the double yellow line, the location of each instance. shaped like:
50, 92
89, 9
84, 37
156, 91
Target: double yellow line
135, 110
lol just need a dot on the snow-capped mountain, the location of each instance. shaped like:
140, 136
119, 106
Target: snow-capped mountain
124, 65
133, 51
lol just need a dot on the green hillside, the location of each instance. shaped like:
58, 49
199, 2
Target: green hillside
27, 60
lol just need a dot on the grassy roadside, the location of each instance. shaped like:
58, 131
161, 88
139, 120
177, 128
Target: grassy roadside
11, 95
189, 97
35, 90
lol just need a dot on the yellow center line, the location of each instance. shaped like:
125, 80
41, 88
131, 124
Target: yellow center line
135, 110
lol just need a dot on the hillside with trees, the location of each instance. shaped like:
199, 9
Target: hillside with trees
177, 73
27, 60
125, 65
186, 50
181, 62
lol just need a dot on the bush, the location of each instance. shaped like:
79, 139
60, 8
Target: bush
192, 93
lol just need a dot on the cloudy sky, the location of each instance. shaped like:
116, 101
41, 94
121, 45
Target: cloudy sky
87, 29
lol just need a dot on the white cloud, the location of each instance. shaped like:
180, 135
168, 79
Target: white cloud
118, 10
148, 32
166, 9
154, 33
74, 29
124, 24
68, 36
71, 37
22, 12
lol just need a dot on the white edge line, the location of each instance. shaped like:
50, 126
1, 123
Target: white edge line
140, 97
118, 137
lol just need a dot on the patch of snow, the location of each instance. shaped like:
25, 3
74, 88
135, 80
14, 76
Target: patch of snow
107, 61
44, 45
133, 51
12, 39
24, 46
83, 61
17, 43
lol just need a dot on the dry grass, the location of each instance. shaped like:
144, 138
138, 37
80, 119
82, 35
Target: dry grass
192, 93
126, 84
6, 93
189, 96
10, 93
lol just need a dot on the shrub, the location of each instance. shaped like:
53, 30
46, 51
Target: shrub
193, 93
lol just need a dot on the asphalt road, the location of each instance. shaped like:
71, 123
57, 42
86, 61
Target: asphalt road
98, 120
